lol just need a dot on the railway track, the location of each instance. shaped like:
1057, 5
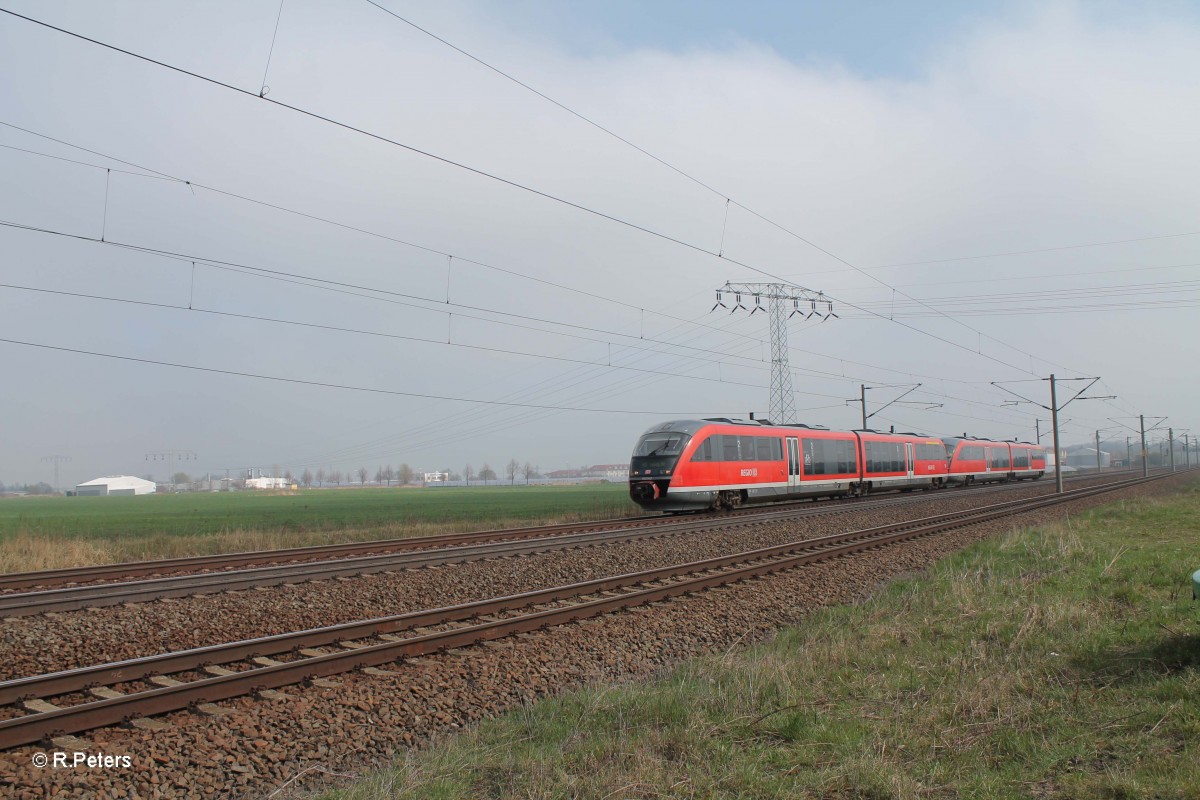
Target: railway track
78, 577
136, 689
74, 598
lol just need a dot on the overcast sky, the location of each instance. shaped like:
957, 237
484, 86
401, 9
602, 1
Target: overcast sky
984, 192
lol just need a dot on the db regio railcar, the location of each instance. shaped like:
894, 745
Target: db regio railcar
975, 460
707, 464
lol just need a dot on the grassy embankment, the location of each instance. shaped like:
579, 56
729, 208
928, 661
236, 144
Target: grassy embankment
48, 532
1057, 662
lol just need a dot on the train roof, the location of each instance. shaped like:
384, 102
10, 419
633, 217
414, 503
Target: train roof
956, 439
691, 426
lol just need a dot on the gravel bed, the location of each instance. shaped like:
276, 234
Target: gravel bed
60, 641
365, 721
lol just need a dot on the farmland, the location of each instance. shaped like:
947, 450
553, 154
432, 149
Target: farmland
45, 532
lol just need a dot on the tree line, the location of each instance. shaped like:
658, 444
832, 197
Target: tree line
404, 475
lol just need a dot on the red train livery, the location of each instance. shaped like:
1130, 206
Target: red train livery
694, 465
979, 460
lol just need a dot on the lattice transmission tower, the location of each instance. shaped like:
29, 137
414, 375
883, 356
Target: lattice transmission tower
783, 303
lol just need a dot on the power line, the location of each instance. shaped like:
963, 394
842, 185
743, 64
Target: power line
439, 307
346, 226
537, 192
352, 289
193, 185
325, 385
1038, 250
380, 334
722, 195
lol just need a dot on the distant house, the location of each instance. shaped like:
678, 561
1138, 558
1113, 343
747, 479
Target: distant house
115, 485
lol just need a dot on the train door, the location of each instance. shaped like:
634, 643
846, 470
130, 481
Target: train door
912, 465
793, 451
987, 459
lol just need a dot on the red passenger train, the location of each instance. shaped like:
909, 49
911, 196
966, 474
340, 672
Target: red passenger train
696, 465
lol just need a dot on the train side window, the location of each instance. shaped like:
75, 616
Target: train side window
814, 457
729, 448
846, 457
762, 445
704, 451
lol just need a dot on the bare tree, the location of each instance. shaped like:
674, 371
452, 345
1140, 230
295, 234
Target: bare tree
306, 479
511, 469
468, 473
320, 477
379, 476
389, 474
528, 471
335, 477
486, 473
287, 476
362, 476
406, 474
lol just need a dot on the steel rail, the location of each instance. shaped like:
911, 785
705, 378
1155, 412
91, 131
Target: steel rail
74, 598
74, 719
132, 569
116, 672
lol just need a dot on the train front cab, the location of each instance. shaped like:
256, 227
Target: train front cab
726, 463
656, 456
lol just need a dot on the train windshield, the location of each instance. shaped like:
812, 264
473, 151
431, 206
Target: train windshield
660, 443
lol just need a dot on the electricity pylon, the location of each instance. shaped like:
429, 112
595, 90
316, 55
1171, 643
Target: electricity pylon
57, 460
778, 296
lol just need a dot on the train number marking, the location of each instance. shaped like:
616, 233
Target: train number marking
752, 472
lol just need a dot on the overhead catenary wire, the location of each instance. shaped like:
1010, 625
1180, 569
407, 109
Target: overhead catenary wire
435, 306
537, 192
330, 385
163, 176
722, 195
924, 332
357, 229
379, 334
185, 257
635, 342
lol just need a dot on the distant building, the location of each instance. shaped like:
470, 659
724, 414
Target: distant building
608, 472
1084, 457
115, 485
564, 474
268, 483
612, 472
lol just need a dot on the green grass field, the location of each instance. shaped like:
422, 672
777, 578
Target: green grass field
41, 532
1060, 662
